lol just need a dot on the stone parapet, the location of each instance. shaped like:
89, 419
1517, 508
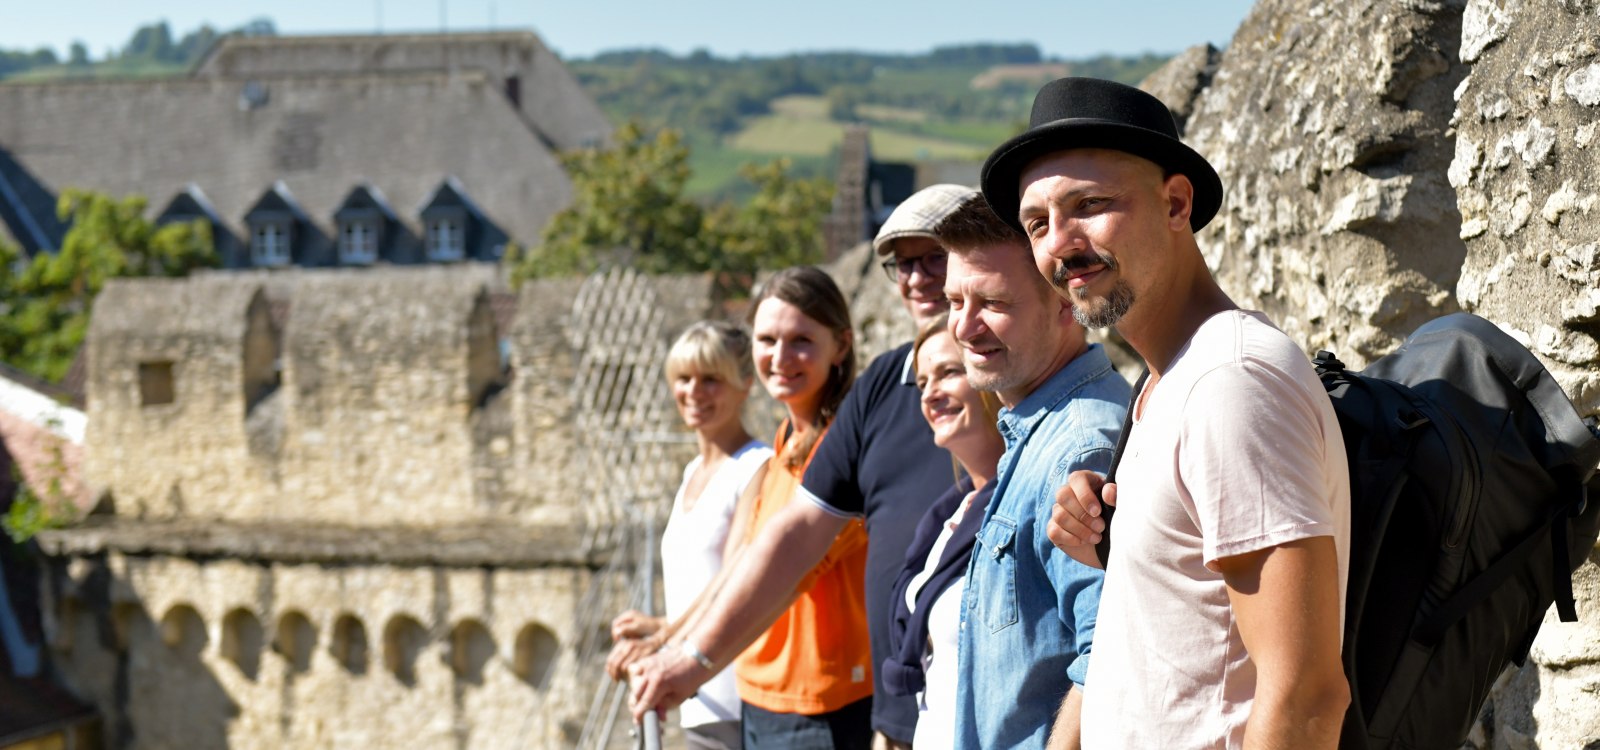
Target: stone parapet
496, 545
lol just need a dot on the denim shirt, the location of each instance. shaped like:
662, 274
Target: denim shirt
1027, 619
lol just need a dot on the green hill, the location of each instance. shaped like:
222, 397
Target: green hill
950, 104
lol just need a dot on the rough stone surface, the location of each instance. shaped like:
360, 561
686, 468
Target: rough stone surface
1179, 82
464, 472
180, 652
1526, 181
1327, 123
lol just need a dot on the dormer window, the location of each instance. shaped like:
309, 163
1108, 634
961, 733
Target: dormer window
358, 242
365, 223
275, 222
453, 228
446, 239
269, 244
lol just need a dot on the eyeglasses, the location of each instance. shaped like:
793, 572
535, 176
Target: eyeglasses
900, 269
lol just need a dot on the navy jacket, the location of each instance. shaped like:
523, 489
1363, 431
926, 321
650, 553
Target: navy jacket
901, 672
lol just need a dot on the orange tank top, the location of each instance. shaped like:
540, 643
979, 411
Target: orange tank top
816, 658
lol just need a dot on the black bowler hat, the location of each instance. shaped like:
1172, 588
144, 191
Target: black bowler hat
1094, 113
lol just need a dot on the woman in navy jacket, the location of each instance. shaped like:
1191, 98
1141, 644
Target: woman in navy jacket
927, 606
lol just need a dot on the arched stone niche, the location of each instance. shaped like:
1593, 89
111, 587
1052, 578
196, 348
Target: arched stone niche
403, 640
471, 648
536, 651
242, 639
348, 645
295, 640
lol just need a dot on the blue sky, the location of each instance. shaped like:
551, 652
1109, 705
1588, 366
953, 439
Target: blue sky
577, 28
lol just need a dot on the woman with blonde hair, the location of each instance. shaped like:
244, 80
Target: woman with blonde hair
926, 620
710, 371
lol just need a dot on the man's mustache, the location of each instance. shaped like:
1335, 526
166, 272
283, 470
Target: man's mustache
1080, 262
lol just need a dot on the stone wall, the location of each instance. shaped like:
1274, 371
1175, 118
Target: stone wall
1388, 161
388, 397
1527, 152
168, 393
178, 652
387, 508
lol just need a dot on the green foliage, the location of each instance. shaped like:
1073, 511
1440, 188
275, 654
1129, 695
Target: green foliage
47, 301
151, 51
16, 61
629, 206
32, 512
780, 226
627, 198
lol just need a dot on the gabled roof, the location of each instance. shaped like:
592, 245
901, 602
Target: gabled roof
191, 201
365, 198
317, 134
277, 202
27, 207
450, 193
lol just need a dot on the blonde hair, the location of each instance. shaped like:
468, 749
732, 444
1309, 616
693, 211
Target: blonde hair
712, 347
991, 402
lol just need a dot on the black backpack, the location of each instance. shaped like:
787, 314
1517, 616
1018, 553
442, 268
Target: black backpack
1468, 474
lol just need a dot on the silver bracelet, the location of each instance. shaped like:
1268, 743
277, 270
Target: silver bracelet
693, 653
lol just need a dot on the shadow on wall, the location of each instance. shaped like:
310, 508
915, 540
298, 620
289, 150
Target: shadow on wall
155, 679
156, 669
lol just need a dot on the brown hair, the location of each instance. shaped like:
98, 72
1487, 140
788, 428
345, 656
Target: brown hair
814, 294
973, 225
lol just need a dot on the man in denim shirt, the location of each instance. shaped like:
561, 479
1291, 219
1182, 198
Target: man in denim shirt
1027, 621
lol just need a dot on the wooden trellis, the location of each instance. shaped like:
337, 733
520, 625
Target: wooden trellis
631, 457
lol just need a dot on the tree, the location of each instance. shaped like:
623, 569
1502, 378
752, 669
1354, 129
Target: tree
45, 303
628, 199
780, 226
629, 206
79, 55
153, 42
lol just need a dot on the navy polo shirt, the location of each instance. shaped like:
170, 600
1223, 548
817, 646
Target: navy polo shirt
879, 463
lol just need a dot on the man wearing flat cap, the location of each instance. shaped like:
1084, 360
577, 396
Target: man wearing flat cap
878, 463
1223, 602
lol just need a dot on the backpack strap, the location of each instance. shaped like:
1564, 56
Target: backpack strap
1431, 630
1103, 549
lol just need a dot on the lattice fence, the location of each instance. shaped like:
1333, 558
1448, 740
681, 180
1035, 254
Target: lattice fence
631, 458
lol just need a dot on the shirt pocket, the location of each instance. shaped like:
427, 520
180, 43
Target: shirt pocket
995, 591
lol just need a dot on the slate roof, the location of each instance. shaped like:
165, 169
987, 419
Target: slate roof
403, 114
549, 96
319, 135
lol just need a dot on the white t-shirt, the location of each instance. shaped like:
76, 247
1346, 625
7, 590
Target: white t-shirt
936, 704
1237, 449
691, 555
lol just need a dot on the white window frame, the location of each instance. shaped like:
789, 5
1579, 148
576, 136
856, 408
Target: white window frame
269, 244
447, 239
358, 242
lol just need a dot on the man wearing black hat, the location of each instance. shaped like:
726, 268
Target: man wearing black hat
1223, 600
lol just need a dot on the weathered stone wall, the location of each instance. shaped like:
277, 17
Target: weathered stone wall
1527, 155
1388, 161
231, 653
402, 401
180, 447
457, 476
376, 399
1327, 123
1527, 176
